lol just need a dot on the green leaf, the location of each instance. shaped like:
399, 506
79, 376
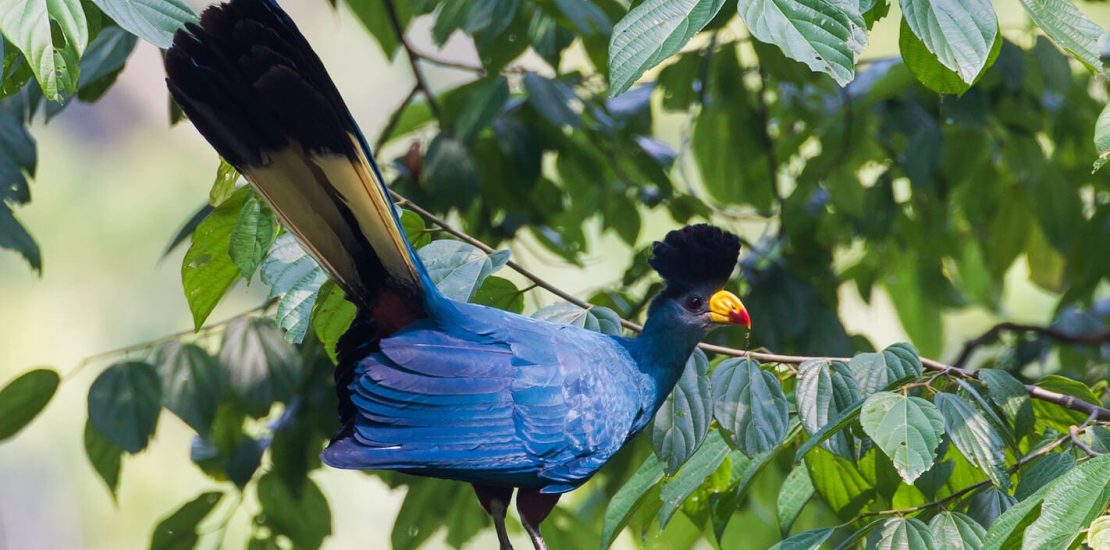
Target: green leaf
104, 456
985, 506
956, 531
907, 429
178, 531
682, 423
1010, 395
331, 317
1102, 138
1068, 28
501, 294
152, 20
824, 391
1042, 472
304, 518
456, 268
1098, 535
224, 185
1055, 416
373, 15
192, 383
700, 466
650, 33
552, 99
795, 492
629, 498
24, 398
826, 35
102, 62
124, 402
17, 162
297, 278
252, 236
875, 371
1053, 516
930, 71
960, 33
1070, 504
483, 102
974, 436
600, 319
207, 271
839, 482
13, 236
904, 534
28, 25
749, 405
262, 367
846, 417
806, 540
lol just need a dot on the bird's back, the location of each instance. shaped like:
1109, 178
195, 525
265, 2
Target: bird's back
491, 397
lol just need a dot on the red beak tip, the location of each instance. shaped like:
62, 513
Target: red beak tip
740, 318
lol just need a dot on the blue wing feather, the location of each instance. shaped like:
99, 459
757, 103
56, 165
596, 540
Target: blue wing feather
492, 397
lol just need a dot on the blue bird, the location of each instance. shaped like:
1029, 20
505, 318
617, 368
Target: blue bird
427, 385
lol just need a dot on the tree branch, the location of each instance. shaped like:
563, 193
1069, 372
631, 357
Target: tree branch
413, 56
1091, 409
992, 335
394, 119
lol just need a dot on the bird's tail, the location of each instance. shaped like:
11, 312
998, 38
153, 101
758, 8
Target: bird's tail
251, 84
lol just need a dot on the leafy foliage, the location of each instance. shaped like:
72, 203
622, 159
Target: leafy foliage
866, 181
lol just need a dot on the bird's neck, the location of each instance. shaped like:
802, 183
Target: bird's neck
661, 352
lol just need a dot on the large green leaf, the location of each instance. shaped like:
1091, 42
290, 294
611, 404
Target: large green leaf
806, 540
960, 33
152, 20
795, 492
207, 271
24, 398
262, 367
1010, 395
929, 70
305, 518
1054, 515
124, 402
682, 423
974, 436
104, 456
839, 482
985, 506
904, 534
824, 391
749, 405
457, 268
907, 429
650, 33
700, 466
294, 276
18, 158
28, 25
499, 293
252, 236
192, 383
1042, 472
826, 35
875, 371
628, 498
331, 317
1102, 138
178, 531
956, 531
1068, 28
600, 319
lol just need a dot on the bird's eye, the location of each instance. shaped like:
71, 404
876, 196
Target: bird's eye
694, 303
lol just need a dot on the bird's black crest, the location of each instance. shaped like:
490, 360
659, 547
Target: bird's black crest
695, 255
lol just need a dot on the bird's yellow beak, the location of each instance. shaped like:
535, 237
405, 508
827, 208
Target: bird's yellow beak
726, 308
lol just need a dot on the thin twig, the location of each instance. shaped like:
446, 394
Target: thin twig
1073, 434
413, 56
1067, 401
992, 335
395, 119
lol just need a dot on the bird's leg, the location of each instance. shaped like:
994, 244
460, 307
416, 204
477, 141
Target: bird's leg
534, 507
495, 500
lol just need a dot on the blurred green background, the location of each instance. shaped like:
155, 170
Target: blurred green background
114, 184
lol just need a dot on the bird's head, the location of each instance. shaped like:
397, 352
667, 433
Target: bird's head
695, 262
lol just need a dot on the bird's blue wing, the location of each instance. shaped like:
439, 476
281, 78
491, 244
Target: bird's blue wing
524, 406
